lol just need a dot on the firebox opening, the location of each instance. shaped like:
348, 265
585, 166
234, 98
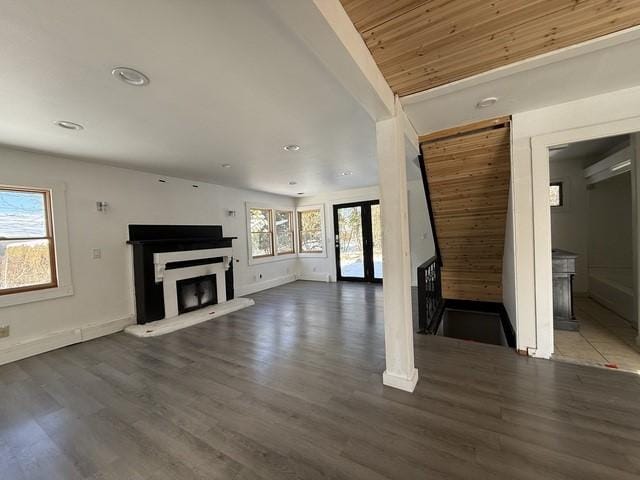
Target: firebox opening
196, 293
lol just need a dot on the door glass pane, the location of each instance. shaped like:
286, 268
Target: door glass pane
376, 231
350, 239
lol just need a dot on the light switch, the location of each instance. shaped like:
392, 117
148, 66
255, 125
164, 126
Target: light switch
97, 253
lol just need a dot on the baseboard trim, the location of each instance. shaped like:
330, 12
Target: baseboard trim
400, 382
55, 340
614, 307
101, 329
259, 286
315, 277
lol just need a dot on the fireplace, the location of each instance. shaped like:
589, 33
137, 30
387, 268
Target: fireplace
179, 268
183, 275
196, 293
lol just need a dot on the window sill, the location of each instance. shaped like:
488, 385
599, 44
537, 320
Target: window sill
312, 255
275, 258
35, 295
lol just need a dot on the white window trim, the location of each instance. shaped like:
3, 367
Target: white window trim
322, 228
275, 257
61, 241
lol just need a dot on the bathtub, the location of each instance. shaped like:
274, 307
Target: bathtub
613, 288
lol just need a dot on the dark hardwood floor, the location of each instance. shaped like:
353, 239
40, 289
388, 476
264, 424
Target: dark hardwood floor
291, 389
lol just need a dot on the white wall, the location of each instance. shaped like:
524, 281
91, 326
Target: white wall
603, 115
610, 224
422, 246
103, 296
570, 222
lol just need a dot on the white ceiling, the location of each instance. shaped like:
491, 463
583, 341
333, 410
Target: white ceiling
229, 84
590, 151
588, 69
232, 83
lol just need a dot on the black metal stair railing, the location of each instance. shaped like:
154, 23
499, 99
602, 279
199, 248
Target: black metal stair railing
430, 301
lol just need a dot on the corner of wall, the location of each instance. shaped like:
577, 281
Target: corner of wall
509, 266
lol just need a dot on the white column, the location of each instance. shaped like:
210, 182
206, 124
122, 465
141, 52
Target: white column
398, 324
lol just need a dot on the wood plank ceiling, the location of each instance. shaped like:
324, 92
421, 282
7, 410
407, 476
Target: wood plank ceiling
421, 44
468, 174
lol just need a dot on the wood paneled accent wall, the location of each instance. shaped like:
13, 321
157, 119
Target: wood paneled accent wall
468, 171
420, 44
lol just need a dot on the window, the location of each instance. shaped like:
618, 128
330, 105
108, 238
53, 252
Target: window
27, 249
284, 232
555, 194
279, 233
261, 232
310, 234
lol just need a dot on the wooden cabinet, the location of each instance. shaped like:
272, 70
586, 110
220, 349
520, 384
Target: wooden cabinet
563, 268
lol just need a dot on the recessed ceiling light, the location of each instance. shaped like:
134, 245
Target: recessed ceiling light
346, 173
130, 76
226, 165
487, 102
68, 125
292, 148
293, 183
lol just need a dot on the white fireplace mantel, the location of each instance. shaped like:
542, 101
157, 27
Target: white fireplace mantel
161, 259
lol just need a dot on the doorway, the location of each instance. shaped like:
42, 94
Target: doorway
591, 210
358, 241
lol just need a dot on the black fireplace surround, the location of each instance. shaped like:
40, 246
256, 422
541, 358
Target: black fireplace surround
149, 239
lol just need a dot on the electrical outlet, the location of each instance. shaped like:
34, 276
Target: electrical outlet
4, 331
97, 253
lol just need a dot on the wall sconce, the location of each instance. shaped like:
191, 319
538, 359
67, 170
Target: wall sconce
232, 213
102, 206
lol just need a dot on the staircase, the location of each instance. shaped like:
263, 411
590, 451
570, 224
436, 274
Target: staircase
466, 173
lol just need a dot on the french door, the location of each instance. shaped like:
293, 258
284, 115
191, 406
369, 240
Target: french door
358, 241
